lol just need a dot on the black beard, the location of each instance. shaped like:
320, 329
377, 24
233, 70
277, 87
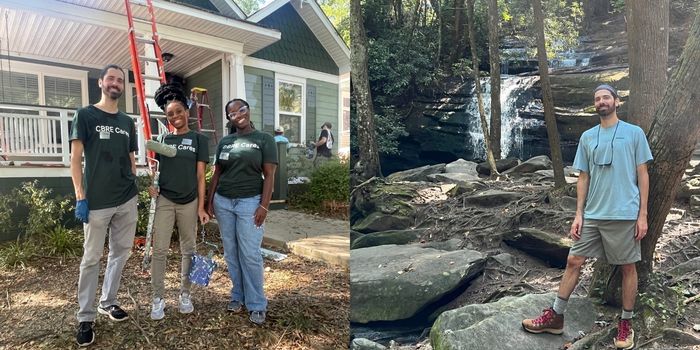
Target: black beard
605, 113
115, 95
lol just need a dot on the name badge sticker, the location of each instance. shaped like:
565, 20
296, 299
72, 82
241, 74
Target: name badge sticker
187, 142
223, 156
104, 135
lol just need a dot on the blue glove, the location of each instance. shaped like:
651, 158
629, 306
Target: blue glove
81, 210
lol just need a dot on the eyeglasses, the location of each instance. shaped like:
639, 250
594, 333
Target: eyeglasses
603, 162
241, 110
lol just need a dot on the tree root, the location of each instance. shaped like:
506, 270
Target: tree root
590, 342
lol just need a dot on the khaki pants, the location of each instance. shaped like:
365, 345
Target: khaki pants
120, 223
167, 214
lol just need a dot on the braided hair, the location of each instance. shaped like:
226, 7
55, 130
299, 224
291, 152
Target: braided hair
167, 93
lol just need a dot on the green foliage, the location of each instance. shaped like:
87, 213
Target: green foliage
661, 304
144, 204
45, 212
388, 128
618, 6
249, 6
17, 253
330, 182
338, 11
63, 242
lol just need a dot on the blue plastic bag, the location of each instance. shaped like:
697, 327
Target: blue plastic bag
202, 269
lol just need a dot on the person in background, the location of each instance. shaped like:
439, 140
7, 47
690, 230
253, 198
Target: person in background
324, 144
180, 197
239, 195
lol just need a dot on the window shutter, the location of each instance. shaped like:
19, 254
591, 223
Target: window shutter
268, 105
311, 132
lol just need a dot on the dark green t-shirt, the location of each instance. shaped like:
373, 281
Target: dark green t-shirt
241, 160
178, 175
107, 139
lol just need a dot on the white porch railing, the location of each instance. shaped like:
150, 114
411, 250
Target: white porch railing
40, 135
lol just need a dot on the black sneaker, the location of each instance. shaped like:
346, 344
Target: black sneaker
85, 335
114, 312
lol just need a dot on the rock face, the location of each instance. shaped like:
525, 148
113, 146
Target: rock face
365, 344
375, 201
531, 165
417, 174
493, 198
387, 237
547, 246
395, 282
376, 222
689, 187
497, 326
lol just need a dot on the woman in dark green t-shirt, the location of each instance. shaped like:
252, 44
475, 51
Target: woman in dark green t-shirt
239, 195
181, 197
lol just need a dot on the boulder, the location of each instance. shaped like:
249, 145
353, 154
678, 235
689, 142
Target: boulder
467, 187
454, 178
365, 344
504, 259
377, 222
688, 188
449, 245
570, 171
531, 165
416, 174
545, 174
354, 235
498, 325
501, 165
397, 237
550, 247
392, 282
461, 166
493, 198
377, 196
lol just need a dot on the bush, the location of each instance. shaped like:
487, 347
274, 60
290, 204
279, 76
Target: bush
45, 212
331, 182
62, 242
17, 254
144, 204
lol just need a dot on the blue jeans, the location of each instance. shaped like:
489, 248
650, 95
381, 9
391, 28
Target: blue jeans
242, 242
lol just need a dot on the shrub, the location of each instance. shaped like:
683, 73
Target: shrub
331, 182
45, 212
144, 204
62, 242
17, 253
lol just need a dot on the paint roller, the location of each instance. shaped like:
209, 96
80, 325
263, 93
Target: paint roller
161, 148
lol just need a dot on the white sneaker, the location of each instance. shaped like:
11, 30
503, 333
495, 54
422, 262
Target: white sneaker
186, 303
158, 309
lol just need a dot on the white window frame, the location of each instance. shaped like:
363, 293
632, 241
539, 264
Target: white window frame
59, 72
289, 79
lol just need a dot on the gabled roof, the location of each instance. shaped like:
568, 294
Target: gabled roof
318, 22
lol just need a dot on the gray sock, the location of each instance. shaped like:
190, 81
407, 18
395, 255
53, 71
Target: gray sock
627, 315
560, 305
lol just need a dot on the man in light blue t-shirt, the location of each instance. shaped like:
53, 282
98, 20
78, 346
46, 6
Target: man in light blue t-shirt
611, 211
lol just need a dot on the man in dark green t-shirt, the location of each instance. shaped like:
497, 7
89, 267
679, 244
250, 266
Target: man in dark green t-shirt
106, 197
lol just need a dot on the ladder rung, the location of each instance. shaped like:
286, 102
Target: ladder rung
145, 40
207, 130
202, 105
140, 20
149, 59
151, 77
150, 96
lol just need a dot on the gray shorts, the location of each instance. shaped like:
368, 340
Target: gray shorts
610, 240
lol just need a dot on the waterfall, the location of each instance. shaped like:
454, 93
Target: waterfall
512, 125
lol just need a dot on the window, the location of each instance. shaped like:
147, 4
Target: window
290, 97
18, 87
62, 92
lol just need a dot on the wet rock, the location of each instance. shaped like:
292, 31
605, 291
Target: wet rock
504, 259
531, 165
393, 282
377, 222
365, 344
501, 165
461, 166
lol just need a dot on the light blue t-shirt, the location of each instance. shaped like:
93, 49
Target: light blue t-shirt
613, 193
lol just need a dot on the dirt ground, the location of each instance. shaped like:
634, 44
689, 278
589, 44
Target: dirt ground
308, 309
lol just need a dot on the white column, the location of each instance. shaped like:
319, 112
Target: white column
236, 75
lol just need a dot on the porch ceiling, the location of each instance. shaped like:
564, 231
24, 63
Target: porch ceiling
94, 33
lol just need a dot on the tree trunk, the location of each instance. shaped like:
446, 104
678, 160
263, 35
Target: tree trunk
495, 64
672, 136
438, 13
457, 32
547, 101
475, 64
595, 10
368, 162
647, 38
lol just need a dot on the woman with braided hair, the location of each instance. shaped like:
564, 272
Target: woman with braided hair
180, 197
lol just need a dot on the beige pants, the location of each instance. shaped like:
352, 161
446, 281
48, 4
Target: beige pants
167, 214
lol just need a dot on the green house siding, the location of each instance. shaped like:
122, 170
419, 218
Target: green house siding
298, 46
326, 109
258, 92
210, 79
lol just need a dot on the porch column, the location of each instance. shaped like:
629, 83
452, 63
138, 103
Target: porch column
236, 75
